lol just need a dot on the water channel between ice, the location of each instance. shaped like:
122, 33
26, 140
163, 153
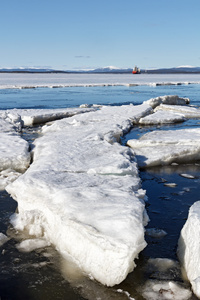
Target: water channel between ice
43, 274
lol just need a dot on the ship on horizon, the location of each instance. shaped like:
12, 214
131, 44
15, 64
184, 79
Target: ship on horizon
136, 70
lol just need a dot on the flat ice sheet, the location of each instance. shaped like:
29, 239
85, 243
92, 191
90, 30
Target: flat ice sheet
162, 117
189, 247
187, 111
163, 147
31, 117
60, 80
82, 192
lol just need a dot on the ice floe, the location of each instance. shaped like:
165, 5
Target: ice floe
14, 151
162, 290
189, 247
186, 111
163, 147
39, 116
82, 192
14, 157
161, 117
29, 245
156, 232
168, 99
167, 287
189, 176
3, 239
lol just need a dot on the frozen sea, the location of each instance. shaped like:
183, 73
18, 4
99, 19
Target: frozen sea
43, 274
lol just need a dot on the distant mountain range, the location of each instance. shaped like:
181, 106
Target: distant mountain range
181, 69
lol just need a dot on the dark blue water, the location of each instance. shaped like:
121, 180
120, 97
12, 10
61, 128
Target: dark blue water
75, 96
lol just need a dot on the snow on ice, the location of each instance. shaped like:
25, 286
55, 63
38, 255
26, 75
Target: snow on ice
163, 148
189, 247
171, 99
161, 117
82, 191
38, 116
14, 151
186, 111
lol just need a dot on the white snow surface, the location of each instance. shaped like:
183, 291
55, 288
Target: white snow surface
162, 117
186, 111
14, 151
66, 80
10, 121
163, 148
168, 99
82, 192
189, 247
31, 117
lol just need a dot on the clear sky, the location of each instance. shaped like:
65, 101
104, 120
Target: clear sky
79, 34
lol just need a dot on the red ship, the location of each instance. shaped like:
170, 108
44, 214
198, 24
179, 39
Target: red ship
136, 70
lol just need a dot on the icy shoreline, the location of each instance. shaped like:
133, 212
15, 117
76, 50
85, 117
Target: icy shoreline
80, 170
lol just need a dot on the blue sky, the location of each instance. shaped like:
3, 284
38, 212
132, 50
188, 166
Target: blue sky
81, 34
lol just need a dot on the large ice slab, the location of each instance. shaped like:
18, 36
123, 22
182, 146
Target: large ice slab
14, 157
108, 123
31, 117
97, 220
162, 117
10, 121
189, 247
82, 192
187, 111
162, 147
168, 99
14, 151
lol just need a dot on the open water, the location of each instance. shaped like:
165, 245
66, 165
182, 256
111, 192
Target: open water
42, 274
